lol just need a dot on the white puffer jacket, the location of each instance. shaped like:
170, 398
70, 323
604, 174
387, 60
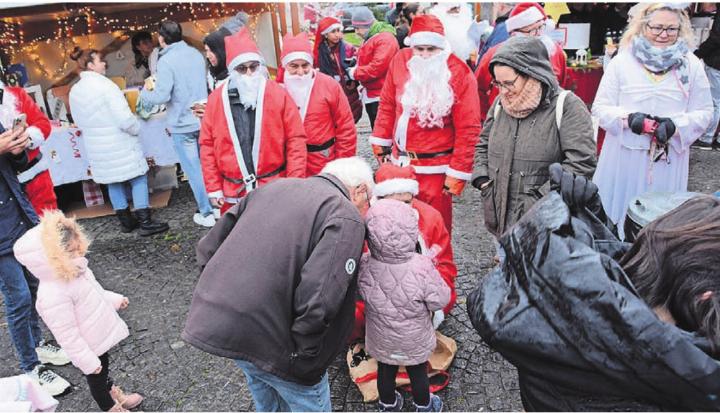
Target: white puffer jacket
109, 129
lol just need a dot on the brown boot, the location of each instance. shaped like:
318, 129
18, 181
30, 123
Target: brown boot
118, 408
128, 401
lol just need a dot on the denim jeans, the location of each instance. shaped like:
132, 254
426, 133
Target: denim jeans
188, 151
273, 394
19, 289
140, 197
713, 76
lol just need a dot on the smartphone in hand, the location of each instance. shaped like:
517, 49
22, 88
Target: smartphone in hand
20, 121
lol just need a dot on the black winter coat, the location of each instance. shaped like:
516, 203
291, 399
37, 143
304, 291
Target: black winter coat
709, 50
16, 199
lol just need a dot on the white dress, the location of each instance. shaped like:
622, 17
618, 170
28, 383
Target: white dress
624, 169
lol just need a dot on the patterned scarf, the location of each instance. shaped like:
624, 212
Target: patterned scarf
662, 59
524, 102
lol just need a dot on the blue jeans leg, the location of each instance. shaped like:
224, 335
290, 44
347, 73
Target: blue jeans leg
118, 198
273, 394
188, 151
139, 186
19, 290
713, 76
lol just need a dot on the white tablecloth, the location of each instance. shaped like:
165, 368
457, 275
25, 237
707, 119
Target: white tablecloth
66, 154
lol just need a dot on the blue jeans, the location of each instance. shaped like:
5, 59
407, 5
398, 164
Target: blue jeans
273, 394
140, 197
188, 151
713, 76
19, 290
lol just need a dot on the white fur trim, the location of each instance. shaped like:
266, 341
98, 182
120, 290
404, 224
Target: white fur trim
245, 57
396, 186
465, 176
526, 18
31, 173
295, 56
427, 39
419, 169
36, 137
331, 28
374, 140
215, 194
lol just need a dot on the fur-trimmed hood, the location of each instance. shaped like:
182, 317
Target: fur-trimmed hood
54, 249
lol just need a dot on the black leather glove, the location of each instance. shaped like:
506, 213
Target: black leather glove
478, 181
665, 130
577, 191
636, 121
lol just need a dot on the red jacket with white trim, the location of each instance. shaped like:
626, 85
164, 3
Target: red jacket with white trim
281, 142
373, 61
460, 132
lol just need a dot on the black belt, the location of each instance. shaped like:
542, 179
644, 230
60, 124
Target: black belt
429, 155
318, 148
252, 179
31, 163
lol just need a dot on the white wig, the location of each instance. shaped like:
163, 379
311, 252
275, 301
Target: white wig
351, 171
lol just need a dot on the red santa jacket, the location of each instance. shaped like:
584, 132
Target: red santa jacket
373, 61
279, 142
488, 93
39, 185
458, 136
329, 124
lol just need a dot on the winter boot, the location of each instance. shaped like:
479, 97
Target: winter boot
395, 407
127, 220
127, 401
147, 225
435, 405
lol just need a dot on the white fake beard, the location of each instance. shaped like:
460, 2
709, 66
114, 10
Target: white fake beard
428, 95
248, 86
456, 29
299, 87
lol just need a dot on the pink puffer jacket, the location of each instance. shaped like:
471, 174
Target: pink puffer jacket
401, 288
78, 311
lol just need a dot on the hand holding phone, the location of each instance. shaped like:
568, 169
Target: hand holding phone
20, 121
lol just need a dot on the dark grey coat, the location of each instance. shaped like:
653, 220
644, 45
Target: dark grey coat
514, 154
279, 280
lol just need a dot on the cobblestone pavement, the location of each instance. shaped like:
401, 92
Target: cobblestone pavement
158, 274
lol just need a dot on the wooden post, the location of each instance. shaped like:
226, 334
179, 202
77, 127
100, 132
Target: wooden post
295, 17
283, 18
276, 39
478, 9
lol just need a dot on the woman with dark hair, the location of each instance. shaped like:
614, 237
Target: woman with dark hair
139, 68
215, 55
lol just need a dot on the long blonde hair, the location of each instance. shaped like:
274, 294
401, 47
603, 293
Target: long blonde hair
644, 14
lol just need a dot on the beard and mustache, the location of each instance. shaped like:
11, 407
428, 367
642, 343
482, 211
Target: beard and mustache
428, 94
248, 85
299, 88
456, 27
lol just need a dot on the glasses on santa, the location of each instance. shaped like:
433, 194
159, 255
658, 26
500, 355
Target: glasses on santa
507, 85
534, 31
252, 67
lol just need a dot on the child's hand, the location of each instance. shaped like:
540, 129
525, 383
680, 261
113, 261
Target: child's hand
97, 370
124, 303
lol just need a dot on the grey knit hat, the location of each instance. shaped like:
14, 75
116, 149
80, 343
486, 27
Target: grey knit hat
362, 17
237, 22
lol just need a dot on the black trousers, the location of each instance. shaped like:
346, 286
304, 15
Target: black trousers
372, 109
419, 382
100, 385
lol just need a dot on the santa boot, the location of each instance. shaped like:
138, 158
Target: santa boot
147, 225
127, 221
127, 401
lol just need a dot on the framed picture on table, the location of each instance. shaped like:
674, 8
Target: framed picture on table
35, 92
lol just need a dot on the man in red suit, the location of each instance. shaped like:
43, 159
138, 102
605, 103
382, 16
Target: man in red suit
429, 116
35, 177
526, 19
324, 108
252, 132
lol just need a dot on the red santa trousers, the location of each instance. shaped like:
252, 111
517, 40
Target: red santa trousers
431, 192
41, 193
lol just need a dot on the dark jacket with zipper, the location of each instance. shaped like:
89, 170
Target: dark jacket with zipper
16, 213
280, 277
514, 154
709, 50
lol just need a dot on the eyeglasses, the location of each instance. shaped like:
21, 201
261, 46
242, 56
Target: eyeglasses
252, 67
657, 30
534, 31
508, 85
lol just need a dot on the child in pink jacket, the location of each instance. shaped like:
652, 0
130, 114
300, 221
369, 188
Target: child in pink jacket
401, 289
78, 311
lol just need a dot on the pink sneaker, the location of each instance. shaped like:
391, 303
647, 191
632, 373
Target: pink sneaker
128, 401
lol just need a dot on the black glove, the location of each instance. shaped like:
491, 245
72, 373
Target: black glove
351, 62
636, 121
665, 130
577, 191
478, 181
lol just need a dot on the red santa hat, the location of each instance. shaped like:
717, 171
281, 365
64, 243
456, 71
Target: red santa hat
392, 179
524, 14
426, 30
325, 26
241, 48
296, 47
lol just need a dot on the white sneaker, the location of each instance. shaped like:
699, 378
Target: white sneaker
48, 380
49, 353
205, 221
216, 213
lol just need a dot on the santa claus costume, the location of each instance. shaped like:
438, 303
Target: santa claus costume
457, 20
429, 117
36, 178
324, 108
237, 157
522, 15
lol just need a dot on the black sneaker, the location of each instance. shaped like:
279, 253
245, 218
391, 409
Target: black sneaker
703, 146
716, 145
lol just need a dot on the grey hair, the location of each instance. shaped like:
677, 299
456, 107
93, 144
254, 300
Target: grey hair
352, 171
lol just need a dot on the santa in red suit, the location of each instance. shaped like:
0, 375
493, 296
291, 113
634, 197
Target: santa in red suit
324, 108
429, 116
252, 132
36, 178
526, 19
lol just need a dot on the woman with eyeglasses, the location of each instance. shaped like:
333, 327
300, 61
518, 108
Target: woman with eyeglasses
653, 101
532, 124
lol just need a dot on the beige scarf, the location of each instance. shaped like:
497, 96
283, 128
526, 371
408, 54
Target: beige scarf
524, 102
